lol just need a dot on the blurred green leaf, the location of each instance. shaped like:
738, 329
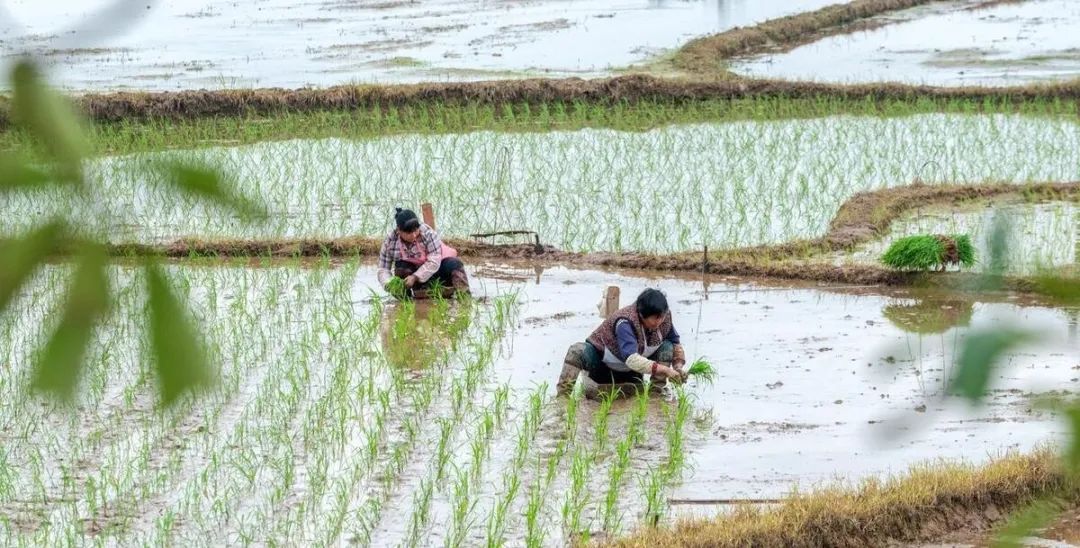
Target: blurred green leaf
208, 183
50, 118
20, 257
1072, 452
979, 356
998, 242
1023, 523
179, 355
60, 364
17, 174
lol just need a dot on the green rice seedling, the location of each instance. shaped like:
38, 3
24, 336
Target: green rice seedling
442, 450
421, 513
436, 290
396, 287
702, 369
496, 526
600, 423
653, 486
502, 403
611, 517
462, 509
682, 411
534, 532
926, 251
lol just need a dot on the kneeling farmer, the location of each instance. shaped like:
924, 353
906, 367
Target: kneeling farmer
636, 340
414, 253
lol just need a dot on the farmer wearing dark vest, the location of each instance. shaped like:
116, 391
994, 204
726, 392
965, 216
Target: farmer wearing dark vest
413, 252
635, 341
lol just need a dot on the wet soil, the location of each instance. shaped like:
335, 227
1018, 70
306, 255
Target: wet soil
816, 382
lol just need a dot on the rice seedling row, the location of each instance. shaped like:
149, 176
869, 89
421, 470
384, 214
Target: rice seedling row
722, 185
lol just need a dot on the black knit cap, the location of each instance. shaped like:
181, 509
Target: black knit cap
406, 220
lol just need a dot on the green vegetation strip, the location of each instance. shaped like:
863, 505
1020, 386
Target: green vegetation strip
260, 123
928, 501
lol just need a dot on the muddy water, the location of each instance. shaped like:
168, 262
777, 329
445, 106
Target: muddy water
816, 383
1011, 43
1039, 235
223, 44
721, 185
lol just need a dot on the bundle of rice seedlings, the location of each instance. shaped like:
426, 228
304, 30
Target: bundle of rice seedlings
702, 370
926, 251
396, 287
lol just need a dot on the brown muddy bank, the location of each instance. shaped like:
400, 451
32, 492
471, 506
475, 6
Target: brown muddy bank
701, 60
706, 55
190, 105
864, 217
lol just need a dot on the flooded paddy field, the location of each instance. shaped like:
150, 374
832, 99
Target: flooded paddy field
1038, 236
213, 44
340, 417
954, 44
721, 185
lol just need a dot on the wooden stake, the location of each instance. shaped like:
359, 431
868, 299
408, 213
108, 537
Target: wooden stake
609, 303
428, 213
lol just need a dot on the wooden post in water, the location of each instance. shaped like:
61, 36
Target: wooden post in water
428, 214
609, 303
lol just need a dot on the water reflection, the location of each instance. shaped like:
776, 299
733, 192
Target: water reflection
929, 315
415, 334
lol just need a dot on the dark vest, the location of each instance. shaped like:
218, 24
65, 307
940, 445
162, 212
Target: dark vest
604, 336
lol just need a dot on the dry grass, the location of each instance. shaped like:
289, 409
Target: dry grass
706, 55
928, 501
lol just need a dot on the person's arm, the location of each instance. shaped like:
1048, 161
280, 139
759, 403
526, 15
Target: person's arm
679, 358
386, 260
628, 344
433, 245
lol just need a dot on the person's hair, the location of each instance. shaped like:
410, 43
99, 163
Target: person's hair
651, 302
406, 220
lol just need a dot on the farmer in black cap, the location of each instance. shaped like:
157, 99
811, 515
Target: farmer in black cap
413, 252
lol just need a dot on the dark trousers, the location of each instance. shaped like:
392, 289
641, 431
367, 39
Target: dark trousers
601, 373
403, 269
